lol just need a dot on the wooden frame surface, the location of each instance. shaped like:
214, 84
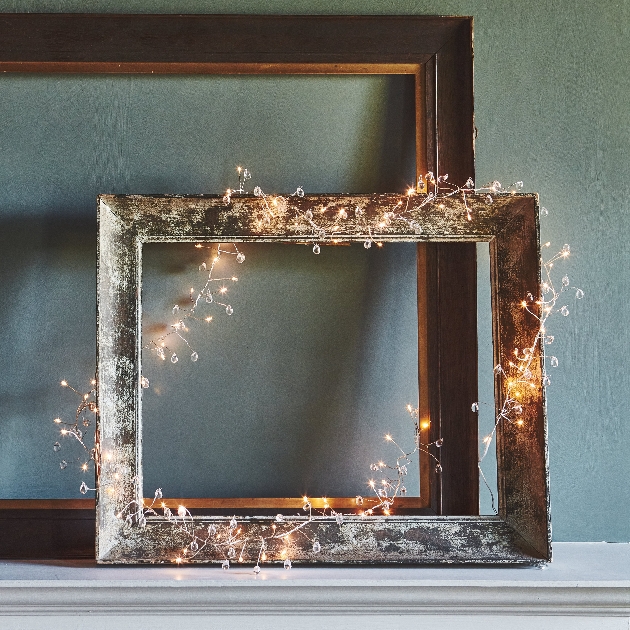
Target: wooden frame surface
437, 51
520, 534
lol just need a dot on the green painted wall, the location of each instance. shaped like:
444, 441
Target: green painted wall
551, 101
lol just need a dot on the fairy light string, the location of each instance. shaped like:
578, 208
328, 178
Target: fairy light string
209, 295
517, 373
85, 417
230, 539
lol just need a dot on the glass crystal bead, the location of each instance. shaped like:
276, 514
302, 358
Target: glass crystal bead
402, 469
158, 494
194, 356
339, 518
287, 564
474, 407
299, 192
231, 552
546, 381
86, 422
553, 361
566, 248
229, 310
194, 546
403, 490
518, 409
256, 569
316, 547
175, 308
279, 518
144, 382
564, 310
240, 257
258, 191
142, 522
309, 215
174, 358
438, 468
549, 340
225, 565
83, 488
367, 244
439, 442
209, 298
212, 529
316, 249
233, 523
579, 294
565, 281
358, 499
63, 464
489, 199
544, 212
202, 266
56, 446
307, 506
373, 467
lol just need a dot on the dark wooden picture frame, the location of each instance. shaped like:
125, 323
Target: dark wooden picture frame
520, 534
437, 51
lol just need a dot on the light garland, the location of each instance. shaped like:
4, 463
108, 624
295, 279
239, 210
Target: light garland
82, 417
355, 223
517, 374
206, 296
230, 539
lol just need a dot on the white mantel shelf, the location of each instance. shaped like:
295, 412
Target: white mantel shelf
586, 586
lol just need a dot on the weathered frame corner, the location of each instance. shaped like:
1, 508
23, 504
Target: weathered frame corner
520, 534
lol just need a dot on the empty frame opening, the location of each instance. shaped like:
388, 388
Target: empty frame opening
277, 373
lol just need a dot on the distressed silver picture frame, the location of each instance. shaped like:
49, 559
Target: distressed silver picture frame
519, 534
